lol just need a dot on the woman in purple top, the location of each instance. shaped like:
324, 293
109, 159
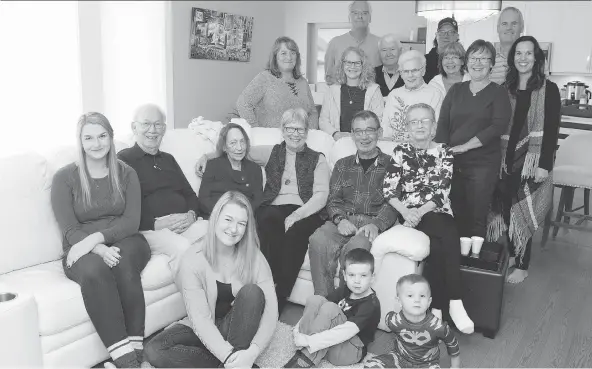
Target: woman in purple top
96, 202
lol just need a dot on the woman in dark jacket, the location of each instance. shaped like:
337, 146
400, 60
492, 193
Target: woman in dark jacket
524, 194
232, 171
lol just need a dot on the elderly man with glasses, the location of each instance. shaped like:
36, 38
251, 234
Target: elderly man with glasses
446, 34
356, 206
360, 15
412, 66
170, 209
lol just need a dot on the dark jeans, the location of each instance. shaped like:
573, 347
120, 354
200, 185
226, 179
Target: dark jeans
285, 251
179, 346
471, 193
113, 297
443, 263
509, 187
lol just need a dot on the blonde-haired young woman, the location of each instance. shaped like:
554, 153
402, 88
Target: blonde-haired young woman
354, 91
96, 202
228, 292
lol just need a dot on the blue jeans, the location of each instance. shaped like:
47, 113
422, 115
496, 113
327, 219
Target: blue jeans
179, 346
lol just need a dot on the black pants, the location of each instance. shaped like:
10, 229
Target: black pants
443, 263
113, 297
471, 193
179, 346
285, 251
509, 187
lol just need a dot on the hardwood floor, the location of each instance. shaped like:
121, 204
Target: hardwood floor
546, 320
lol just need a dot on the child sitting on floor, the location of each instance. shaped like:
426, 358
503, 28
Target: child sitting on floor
417, 330
341, 326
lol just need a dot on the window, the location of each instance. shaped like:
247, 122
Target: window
319, 35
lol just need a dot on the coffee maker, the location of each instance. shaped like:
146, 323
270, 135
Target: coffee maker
575, 91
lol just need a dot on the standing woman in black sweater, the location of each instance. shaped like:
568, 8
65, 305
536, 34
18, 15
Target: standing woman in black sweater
472, 119
523, 196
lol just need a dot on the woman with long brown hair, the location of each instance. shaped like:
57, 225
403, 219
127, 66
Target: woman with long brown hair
96, 202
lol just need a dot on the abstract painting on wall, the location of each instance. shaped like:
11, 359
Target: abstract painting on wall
220, 36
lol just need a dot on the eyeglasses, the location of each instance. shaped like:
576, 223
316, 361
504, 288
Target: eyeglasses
146, 125
359, 14
287, 54
472, 59
452, 58
447, 33
365, 132
424, 122
351, 64
300, 131
411, 71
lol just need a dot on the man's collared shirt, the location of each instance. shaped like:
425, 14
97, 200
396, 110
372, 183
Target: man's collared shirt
165, 190
355, 192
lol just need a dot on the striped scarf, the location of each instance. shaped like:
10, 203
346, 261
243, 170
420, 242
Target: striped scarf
533, 200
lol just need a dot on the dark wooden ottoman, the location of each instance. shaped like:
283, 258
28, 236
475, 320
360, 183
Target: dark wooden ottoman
483, 281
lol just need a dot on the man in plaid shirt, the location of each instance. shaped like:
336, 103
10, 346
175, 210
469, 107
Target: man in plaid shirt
357, 209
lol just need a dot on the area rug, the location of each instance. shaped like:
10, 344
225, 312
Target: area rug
282, 348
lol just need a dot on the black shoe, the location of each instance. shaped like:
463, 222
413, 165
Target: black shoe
299, 360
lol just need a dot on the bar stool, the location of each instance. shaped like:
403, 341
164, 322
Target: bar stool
572, 170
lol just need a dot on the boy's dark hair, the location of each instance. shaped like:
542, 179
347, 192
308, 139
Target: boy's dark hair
412, 279
359, 256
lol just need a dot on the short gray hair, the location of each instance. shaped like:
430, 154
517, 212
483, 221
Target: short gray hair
350, 6
390, 37
425, 106
411, 55
520, 16
294, 115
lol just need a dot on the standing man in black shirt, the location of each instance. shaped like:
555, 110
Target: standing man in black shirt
169, 219
387, 74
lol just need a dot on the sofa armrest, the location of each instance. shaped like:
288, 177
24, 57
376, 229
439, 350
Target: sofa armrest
405, 241
20, 344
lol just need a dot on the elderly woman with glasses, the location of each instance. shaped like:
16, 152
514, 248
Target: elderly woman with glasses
451, 63
281, 86
231, 172
417, 184
474, 115
296, 190
354, 91
412, 68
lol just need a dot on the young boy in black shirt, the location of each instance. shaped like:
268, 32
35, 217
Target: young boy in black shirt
341, 326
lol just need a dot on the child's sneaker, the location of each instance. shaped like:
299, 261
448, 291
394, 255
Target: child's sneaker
299, 360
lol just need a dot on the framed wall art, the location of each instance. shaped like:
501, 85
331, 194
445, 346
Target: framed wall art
220, 36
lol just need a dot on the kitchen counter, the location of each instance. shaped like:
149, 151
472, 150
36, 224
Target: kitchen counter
573, 125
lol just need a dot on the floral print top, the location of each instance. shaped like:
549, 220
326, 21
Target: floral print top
416, 176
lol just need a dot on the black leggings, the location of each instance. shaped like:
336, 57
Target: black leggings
113, 297
285, 251
443, 263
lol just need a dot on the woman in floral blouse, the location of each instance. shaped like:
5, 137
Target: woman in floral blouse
417, 184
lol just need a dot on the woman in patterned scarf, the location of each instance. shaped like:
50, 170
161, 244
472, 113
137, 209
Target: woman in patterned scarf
417, 184
523, 196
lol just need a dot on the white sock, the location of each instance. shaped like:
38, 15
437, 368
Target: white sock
460, 317
437, 313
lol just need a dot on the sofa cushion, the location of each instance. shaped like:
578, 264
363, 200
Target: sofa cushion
27, 220
59, 300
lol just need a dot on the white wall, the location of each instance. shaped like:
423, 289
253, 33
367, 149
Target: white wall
396, 17
208, 87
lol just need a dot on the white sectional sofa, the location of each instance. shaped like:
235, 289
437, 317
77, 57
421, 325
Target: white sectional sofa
58, 330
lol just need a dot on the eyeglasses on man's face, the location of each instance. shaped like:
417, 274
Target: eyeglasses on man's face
482, 60
420, 122
355, 13
370, 131
352, 64
300, 131
447, 33
159, 126
414, 71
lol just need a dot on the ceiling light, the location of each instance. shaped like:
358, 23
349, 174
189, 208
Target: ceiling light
462, 11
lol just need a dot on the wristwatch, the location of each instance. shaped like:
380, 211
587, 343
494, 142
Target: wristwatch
338, 218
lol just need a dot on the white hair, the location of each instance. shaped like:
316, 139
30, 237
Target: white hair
389, 38
350, 6
411, 55
499, 19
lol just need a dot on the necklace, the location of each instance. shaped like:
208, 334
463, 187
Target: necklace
155, 165
350, 96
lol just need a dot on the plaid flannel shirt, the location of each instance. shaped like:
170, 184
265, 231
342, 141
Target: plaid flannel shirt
353, 192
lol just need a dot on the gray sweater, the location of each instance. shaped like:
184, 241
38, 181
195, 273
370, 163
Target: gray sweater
115, 221
267, 97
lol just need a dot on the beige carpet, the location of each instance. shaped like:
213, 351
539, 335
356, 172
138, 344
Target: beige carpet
282, 348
